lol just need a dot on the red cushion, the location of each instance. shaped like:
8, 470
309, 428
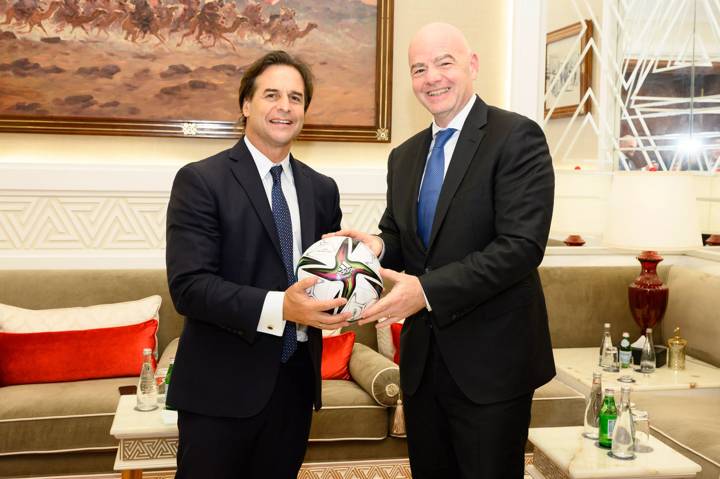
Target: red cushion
336, 356
73, 355
395, 329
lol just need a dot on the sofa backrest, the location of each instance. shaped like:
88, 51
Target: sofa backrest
694, 306
45, 289
581, 298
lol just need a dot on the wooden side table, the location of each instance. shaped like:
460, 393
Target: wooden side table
563, 453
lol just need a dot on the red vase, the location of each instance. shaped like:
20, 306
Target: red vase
647, 295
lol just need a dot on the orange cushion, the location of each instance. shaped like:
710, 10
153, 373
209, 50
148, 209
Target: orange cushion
336, 356
48, 357
395, 329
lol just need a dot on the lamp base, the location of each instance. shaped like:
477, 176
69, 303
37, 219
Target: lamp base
574, 240
647, 295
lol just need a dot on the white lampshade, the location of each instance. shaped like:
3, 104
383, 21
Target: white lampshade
652, 210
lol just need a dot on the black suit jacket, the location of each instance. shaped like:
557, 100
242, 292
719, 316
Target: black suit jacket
480, 270
223, 256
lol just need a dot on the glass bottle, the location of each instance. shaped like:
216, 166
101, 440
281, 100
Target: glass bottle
647, 358
147, 387
625, 351
167, 383
606, 343
592, 407
623, 435
608, 416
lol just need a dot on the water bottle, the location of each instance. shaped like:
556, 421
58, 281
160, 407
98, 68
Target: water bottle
647, 358
147, 387
606, 343
592, 407
625, 351
608, 417
167, 382
623, 435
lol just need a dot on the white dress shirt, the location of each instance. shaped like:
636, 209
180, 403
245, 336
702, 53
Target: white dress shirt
271, 316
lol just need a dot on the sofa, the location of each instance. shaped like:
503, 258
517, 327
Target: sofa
581, 299
63, 428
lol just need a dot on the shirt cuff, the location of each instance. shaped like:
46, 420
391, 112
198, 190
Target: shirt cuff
382, 250
427, 303
271, 316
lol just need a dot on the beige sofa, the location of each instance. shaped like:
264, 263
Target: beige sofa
63, 428
581, 299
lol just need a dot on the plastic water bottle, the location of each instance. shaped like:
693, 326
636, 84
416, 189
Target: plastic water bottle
647, 358
147, 391
623, 435
592, 407
606, 343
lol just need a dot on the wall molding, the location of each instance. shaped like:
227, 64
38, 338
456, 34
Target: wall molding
94, 216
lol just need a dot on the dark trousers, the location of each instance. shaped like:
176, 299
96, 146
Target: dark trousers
269, 445
450, 436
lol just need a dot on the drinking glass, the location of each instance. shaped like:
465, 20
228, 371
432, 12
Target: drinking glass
641, 421
611, 360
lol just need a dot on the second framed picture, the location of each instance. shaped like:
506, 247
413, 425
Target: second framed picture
568, 69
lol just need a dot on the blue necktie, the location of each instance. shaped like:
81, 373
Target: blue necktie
283, 224
431, 185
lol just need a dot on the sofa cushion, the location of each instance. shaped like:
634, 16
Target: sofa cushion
73, 355
693, 305
336, 356
348, 413
21, 320
554, 405
66, 416
688, 420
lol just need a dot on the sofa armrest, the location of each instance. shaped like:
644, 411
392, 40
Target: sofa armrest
168, 353
376, 374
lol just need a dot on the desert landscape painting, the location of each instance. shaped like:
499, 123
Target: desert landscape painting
159, 60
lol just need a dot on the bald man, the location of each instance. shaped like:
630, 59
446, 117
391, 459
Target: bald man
469, 203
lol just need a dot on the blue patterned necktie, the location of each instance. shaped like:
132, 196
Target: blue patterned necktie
431, 185
283, 224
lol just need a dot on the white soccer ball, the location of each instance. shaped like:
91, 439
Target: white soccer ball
344, 268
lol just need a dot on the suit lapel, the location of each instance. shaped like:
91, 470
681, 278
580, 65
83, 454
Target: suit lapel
471, 135
306, 203
415, 175
245, 172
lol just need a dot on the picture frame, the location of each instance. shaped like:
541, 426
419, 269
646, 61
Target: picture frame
566, 85
65, 75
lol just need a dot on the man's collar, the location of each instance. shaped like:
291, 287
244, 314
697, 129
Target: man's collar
459, 119
264, 164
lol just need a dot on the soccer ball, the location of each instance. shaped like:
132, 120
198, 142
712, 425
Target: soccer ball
345, 268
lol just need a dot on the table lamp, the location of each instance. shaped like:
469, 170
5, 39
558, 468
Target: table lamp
651, 211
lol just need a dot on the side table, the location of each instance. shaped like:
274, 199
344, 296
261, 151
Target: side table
146, 441
563, 453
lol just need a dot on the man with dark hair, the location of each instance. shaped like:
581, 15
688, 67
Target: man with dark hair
247, 368
468, 213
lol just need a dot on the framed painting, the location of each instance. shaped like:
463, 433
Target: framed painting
567, 73
173, 67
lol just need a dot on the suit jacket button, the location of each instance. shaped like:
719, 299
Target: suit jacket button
428, 269
270, 327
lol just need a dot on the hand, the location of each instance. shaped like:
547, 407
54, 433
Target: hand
405, 299
371, 241
300, 308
